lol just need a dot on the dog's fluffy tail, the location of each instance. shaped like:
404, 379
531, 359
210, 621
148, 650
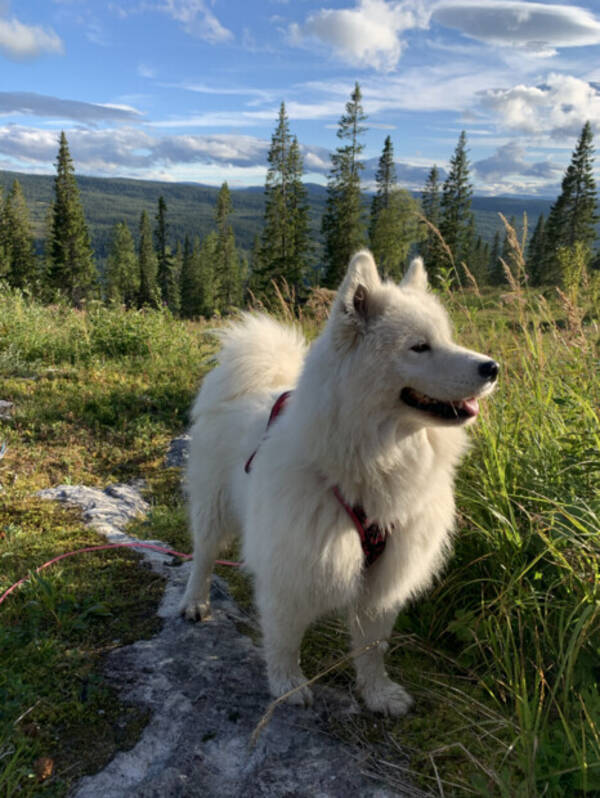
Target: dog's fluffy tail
257, 354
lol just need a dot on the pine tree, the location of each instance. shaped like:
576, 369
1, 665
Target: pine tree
149, 294
431, 248
162, 251
72, 271
457, 221
343, 226
122, 268
535, 251
227, 267
572, 217
19, 250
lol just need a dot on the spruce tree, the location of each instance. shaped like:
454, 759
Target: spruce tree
385, 179
302, 247
149, 294
572, 217
72, 271
431, 247
19, 250
162, 251
122, 268
187, 281
227, 269
4, 267
343, 225
205, 256
456, 223
535, 251
495, 271
395, 231
172, 289
285, 233
394, 226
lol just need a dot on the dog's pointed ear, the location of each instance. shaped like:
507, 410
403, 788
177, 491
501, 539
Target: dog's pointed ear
416, 276
355, 293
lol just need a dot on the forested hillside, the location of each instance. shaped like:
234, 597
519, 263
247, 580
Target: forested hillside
107, 201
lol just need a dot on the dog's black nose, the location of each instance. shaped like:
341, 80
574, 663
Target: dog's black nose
489, 370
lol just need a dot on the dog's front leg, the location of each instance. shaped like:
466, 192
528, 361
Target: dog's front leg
369, 641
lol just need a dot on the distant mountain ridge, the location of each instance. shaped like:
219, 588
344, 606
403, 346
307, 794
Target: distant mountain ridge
190, 207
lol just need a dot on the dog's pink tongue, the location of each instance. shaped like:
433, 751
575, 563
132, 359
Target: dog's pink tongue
471, 406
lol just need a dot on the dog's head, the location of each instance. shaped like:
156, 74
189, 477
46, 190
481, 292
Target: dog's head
397, 342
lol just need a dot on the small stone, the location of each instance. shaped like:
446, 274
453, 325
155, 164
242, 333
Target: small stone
6, 408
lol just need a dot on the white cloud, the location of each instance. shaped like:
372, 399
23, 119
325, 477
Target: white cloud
368, 35
145, 71
198, 20
538, 28
20, 42
559, 107
509, 160
131, 151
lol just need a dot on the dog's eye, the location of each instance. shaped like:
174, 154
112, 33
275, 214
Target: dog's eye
420, 348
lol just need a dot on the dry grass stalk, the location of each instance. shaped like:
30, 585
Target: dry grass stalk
264, 721
319, 303
575, 334
472, 280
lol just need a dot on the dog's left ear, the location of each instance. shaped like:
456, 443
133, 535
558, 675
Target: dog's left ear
355, 293
416, 276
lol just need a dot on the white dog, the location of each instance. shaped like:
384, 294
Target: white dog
374, 420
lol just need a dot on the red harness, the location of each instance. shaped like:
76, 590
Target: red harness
372, 537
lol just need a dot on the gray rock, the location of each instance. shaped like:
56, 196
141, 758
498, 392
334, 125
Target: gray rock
206, 687
178, 452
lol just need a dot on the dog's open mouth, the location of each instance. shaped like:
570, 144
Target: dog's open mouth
461, 410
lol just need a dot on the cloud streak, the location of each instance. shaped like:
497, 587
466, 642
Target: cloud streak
538, 28
31, 104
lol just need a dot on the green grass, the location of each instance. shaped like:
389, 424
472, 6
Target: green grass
97, 397
502, 655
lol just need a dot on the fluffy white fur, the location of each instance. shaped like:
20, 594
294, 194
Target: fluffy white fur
346, 425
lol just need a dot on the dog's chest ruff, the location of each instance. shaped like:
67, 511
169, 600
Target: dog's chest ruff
372, 537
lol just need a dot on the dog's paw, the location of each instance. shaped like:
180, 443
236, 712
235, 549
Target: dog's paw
195, 609
387, 697
299, 693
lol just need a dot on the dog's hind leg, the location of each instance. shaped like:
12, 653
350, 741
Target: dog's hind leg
369, 641
282, 636
208, 538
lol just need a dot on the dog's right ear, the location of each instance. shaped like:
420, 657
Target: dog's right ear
355, 304
355, 292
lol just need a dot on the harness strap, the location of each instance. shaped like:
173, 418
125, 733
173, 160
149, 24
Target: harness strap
372, 537
280, 403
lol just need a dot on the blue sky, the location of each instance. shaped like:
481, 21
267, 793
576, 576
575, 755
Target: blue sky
189, 90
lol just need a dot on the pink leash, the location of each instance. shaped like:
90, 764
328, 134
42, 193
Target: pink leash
162, 549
